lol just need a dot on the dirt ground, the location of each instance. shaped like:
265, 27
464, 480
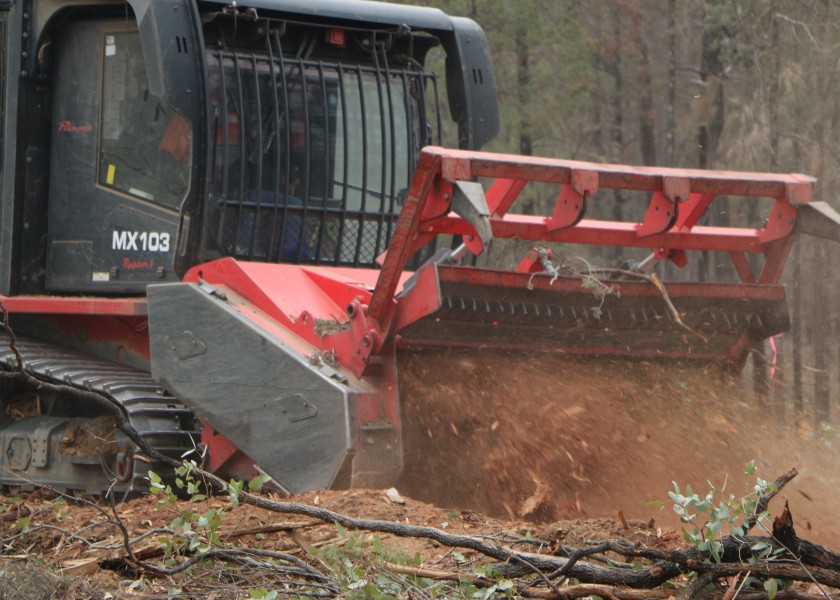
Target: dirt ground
568, 449
75, 551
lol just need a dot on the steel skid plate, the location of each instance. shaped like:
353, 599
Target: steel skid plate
266, 391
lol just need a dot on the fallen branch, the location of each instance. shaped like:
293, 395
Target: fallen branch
15, 514
657, 283
585, 590
665, 567
438, 574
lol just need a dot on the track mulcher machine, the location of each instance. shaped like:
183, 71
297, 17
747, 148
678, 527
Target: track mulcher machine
218, 225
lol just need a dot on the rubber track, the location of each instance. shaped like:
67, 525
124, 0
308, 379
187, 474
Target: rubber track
157, 416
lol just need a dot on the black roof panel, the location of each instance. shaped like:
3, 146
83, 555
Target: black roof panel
361, 11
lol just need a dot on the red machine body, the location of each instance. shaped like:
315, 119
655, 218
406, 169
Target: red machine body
218, 221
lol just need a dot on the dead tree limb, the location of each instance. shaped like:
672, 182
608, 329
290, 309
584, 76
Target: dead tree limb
697, 585
667, 565
586, 590
765, 498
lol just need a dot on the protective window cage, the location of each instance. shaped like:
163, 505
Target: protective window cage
312, 161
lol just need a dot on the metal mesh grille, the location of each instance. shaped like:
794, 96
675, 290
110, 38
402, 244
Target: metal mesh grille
311, 161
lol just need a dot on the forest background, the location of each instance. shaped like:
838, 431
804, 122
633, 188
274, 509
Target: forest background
720, 84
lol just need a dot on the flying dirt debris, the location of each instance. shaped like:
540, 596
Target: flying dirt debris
224, 231
564, 437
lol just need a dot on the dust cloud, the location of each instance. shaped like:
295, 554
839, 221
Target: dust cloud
553, 437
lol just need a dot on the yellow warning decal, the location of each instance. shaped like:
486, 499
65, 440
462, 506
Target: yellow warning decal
109, 178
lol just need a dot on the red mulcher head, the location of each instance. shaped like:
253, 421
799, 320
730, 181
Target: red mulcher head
326, 380
539, 306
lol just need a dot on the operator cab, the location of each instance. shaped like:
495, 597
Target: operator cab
161, 134
120, 164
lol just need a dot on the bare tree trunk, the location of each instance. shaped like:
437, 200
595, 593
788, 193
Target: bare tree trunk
670, 108
773, 108
822, 405
777, 381
761, 387
761, 380
647, 116
819, 310
613, 67
798, 400
711, 126
711, 74
523, 80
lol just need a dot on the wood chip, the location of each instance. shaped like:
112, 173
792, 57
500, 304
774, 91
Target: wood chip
393, 496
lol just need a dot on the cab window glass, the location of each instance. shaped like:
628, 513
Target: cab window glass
145, 146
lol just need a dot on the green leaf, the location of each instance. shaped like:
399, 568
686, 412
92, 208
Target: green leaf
23, 524
358, 584
715, 548
233, 489
342, 531
771, 586
749, 468
204, 520
137, 584
257, 483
